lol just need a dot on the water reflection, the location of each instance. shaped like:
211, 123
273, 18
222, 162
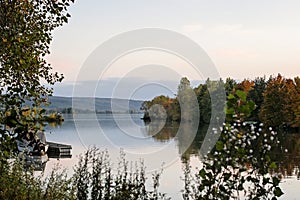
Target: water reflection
287, 156
154, 137
188, 143
154, 143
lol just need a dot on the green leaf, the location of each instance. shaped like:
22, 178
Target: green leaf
240, 187
273, 165
278, 192
244, 109
206, 183
227, 176
251, 105
242, 95
202, 173
230, 96
219, 146
222, 188
230, 111
276, 181
266, 181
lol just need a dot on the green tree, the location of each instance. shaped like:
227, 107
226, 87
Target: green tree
204, 101
218, 101
188, 101
211, 100
25, 34
256, 95
229, 85
183, 107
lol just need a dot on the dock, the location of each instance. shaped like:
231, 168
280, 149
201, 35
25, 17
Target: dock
57, 150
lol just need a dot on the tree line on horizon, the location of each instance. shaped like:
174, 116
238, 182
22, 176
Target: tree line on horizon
276, 101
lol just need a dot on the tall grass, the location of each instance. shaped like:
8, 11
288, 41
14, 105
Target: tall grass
93, 178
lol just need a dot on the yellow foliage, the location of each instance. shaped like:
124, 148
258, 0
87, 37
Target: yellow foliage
239, 135
7, 113
52, 116
26, 113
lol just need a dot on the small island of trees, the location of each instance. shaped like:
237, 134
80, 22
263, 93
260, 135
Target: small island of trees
276, 101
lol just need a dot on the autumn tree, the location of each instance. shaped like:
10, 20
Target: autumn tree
183, 107
158, 108
25, 34
293, 108
296, 104
278, 96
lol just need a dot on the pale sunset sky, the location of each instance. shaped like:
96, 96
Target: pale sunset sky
243, 38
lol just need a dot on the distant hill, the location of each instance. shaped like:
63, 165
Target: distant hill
91, 104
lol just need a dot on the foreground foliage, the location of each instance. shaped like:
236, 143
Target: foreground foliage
240, 166
19, 182
94, 178
25, 35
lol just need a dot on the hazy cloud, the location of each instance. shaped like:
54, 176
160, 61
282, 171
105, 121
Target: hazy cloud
125, 88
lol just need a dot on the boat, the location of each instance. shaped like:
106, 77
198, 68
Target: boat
37, 151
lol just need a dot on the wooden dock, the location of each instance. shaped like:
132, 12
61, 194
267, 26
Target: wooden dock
57, 150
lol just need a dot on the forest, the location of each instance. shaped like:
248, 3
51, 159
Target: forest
275, 101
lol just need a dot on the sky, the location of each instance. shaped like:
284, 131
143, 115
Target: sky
243, 39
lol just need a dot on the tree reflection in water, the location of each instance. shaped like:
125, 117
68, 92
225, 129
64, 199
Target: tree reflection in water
287, 156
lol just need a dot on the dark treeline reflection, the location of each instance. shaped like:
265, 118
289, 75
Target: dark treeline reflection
189, 138
287, 156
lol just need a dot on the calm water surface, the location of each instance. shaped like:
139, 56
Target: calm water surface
158, 145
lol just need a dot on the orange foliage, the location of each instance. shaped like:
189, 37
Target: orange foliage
246, 85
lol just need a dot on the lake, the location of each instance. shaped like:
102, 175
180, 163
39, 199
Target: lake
159, 145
